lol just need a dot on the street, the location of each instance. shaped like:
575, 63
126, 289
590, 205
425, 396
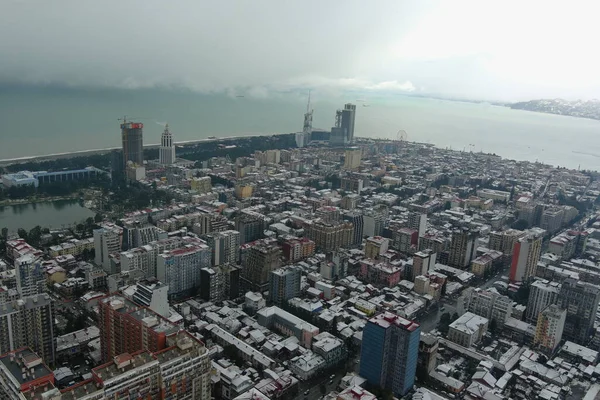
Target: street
313, 385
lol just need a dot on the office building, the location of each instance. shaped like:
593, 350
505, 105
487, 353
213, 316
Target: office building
288, 324
285, 284
504, 241
180, 269
526, 254
133, 143
389, 353
332, 236
28, 322
107, 240
347, 123
376, 246
30, 275
542, 293
259, 262
462, 248
220, 283
580, 299
468, 329
417, 221
166, 152
357, 220
126, 327
224, 246
352, 158
423, 262
549, 328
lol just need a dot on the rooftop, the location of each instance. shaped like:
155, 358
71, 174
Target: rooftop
387, 319
24, 365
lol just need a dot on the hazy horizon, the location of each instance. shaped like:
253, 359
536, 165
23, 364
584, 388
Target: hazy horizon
466, 49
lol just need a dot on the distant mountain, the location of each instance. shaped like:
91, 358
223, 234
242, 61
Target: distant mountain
577, 108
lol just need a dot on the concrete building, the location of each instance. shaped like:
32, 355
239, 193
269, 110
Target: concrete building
462, 248
332, 349
107, 240
166, 152
418, 222
224, 246
376, 246
133, 143
405, 240
201, 185
485, 262
250, 226
491, 305
330, 237
347, 123
137, 234
552, 219
352, 158
180, 268
526, 255
549, 328
357, 220
423, 262
220, 283
284, 284
542, 293
379, 273
374, 220
287, 324
22, 374
152, 293
421, 284
28, 322
468, 329
295, 249
389, 353
580, 299
504, 241
261, 259
30, 275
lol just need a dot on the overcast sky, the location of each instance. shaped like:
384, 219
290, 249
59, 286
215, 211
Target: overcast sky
506, 50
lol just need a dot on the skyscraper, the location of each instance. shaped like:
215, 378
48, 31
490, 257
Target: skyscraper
133, 143
31, 278
462, 248
180, 268
166, 153
526, 254
389, 352
348, 114
580, 299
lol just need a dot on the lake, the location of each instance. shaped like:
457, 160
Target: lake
53, 215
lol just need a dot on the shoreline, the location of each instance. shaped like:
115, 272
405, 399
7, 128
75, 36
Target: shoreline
8, 203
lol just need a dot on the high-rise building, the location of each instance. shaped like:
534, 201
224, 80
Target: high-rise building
224, 246
491, 305
22, 374
423, 262
552, 219
152, 293
137, 234
145, 258
504, 241
166, 152
28, 322
405, 240
259, 262
390, 348
526, 254
348, 116
357, 220
126, 327
31, 278
542, 293
580, 299
549, 328
295, 249
330, 237
418, 222
220, 283
285, 284
180, 269
210, 222
250, 225
376, 246
462, 248
107, 240
352, 158
133, 143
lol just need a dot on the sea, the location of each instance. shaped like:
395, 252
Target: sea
41, 120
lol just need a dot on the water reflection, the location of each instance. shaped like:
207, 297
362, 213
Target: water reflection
48, 215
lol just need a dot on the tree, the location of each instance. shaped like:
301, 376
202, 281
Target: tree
493, 326
454, 316
520, 224
22, 232
98, 218
5, 233
444, 324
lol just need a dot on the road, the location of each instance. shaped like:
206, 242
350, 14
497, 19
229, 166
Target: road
313, 385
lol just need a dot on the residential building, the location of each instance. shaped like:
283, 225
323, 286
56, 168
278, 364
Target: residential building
357, 220
295, 249
423, 262
220, 283
376, 246
428, 351
405, 240
580, 299
330, 237
468, 329
352, 158
332, 349
285, 284
180, 268
201, 185
374, 220
261, 259
152, 293
210, 222
549, 328
28, 322
107, 240
380, 273
224, 246
417, 221
137, 234
30, 275
250, 225
462, 248
491, 305
504, 241
552, 219
389, 352
542, 293
526, 255
287, 324
22, 373
485, 262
